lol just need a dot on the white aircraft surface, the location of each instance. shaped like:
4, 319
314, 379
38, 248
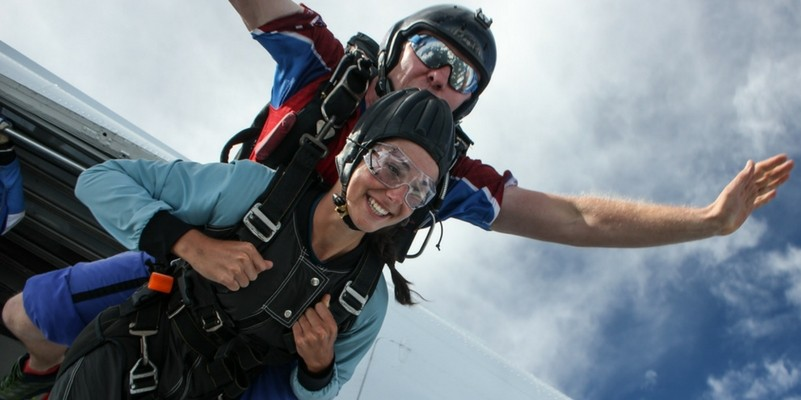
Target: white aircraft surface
59, 132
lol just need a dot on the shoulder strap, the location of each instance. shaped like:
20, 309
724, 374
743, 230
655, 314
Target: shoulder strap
360, 286
362, 51
341, 97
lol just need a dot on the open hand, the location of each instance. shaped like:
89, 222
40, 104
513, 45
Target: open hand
752, 188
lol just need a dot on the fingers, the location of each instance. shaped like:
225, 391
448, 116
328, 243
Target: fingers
233, 264
317, 322
241, 264
315, 333
769, 174
259, 264
773, 162
776, 168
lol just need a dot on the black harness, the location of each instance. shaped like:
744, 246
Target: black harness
339, 96
218, 338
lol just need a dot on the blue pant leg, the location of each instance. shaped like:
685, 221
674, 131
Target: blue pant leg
271, 384
61, 302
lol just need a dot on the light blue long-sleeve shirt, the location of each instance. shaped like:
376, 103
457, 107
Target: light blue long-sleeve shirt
124, 195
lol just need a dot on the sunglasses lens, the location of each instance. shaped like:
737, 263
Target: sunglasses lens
436, 54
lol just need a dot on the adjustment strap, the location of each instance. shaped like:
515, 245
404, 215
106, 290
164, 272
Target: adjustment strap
363, 281
193, 335
264, 218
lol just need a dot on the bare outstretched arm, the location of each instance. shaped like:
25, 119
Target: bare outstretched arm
606, 222
256, 13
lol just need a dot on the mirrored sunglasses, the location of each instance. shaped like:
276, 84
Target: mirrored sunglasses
392, 167
436, 54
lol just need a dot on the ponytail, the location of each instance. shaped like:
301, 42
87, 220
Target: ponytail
382, 243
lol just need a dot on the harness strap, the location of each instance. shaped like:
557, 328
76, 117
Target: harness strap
266, 216
357, 291
341, 96
143, 377
190, 332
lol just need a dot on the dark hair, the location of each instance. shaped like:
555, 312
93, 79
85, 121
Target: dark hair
383, 243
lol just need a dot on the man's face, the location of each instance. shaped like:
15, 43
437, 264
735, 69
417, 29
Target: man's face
411, 72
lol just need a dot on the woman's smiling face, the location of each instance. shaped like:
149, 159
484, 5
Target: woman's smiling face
372, 205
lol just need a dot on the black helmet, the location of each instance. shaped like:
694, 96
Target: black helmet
411, 114
467, 31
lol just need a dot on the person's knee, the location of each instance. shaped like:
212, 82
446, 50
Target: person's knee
14, 316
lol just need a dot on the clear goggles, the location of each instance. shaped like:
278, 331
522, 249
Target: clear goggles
436, 54
392, 167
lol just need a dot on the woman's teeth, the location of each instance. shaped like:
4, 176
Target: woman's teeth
377, 208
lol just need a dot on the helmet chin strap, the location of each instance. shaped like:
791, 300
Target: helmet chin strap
341, 207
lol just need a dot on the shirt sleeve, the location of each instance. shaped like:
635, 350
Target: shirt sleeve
303, 48
124, 195
475, 194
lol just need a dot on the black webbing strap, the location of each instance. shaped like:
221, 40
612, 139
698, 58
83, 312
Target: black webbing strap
341, 97
265, 217
363, 281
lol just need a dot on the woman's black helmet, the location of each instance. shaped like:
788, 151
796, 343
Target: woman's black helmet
467, 31
412, 114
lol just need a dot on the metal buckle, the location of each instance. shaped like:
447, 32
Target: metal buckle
356, 295
213, 323
316, 142
143, 377
255, 212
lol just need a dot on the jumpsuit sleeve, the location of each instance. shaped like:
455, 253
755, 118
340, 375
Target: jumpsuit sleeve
124, 195
475, 193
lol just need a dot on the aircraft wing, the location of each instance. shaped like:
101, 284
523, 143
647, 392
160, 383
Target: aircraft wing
59, 132
420, 356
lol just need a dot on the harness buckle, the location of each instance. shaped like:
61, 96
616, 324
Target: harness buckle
352, 294
256, 214
143, 377
316, 141
211, 322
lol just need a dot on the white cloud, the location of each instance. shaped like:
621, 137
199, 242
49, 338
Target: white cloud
787, 266
774, 379
757, 287
768, 102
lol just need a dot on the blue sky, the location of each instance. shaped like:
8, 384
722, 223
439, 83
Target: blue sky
661, 101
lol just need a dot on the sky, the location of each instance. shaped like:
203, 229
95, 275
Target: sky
660, 101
